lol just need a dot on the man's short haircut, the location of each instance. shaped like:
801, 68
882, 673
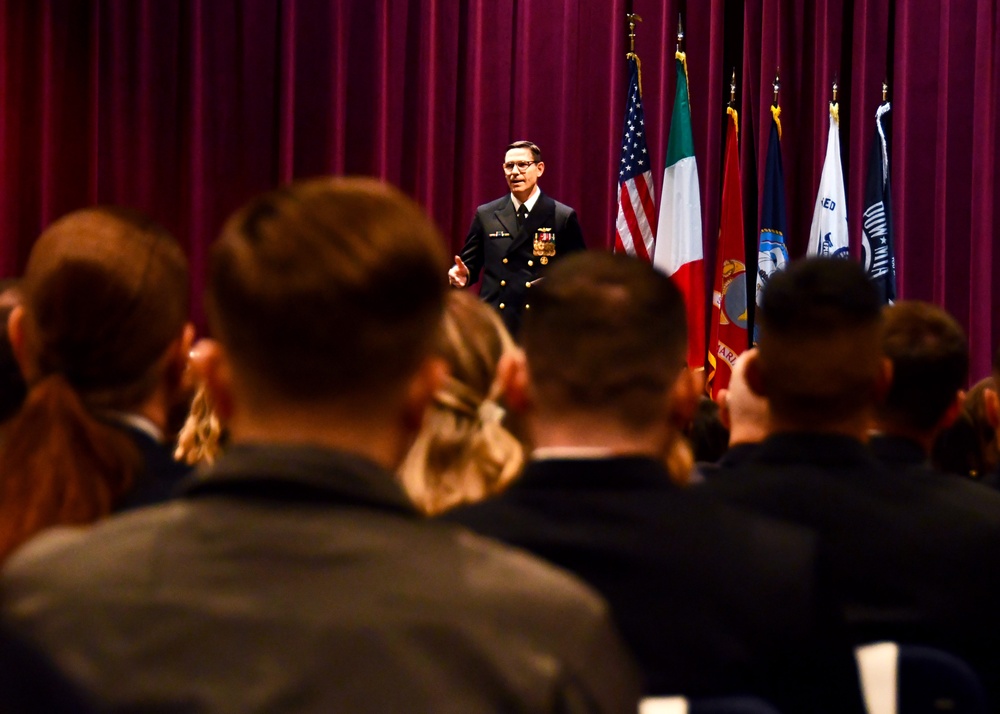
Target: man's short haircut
605, 334
328, 288
819, 344
536, 153
930, 362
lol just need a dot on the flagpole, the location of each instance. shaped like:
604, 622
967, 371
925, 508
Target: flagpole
632, 20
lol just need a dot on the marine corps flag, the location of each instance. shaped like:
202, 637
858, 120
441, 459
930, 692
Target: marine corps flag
679, 251
772, 253
877, 252
828, 234
728, 339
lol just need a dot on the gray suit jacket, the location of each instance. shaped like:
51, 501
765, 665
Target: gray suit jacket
300, 580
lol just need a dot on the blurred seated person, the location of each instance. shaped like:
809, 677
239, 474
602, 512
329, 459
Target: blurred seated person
464, 452
968, 447
904, 558
102, 339
707, 433
295, 576
711, 600
744, 414
929, 354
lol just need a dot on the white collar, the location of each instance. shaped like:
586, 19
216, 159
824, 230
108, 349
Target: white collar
139, 423
530, 203
570, 452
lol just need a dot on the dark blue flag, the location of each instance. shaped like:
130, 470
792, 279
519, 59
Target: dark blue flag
877, 253
772, 253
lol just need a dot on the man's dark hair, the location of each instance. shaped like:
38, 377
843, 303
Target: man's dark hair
605, 333
819, 345
930, 362
536, 153
329, 288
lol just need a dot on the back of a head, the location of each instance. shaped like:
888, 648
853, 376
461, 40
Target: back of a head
105, 293
104, 296
930, 362
327, 289
606, 334
819, 345
464, 452
968, 447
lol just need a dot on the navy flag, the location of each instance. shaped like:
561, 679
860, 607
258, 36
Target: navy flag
772, 253
877, 253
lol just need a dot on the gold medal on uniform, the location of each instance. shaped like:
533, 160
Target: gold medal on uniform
545, 245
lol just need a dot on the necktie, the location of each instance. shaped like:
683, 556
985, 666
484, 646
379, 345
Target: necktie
522, 214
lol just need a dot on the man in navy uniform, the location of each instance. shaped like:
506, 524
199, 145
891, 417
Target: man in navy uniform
514, 238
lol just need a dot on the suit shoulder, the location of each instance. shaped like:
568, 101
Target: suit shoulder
492, 206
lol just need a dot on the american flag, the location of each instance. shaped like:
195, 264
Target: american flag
636, 213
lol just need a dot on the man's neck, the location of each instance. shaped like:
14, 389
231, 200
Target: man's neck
594, 435
924, 439
523, 198
854, 427
378, 440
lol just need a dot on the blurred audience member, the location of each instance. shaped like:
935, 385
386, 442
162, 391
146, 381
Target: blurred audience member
968, 447
707, 433
464, 452
905, 558
102, 339
929, 354
295, 575
711, 600
744, 414
12, 387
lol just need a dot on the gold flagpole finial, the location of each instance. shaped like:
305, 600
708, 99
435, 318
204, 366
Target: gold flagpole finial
885, 89
680, 34
632, 20
777, 85
834, 89
732, 88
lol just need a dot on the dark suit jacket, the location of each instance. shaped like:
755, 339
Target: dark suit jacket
733, 456
509, 258
160, 476
712, 600
909, 555
296, 579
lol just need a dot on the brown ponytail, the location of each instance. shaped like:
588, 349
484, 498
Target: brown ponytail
79, 476
104, 297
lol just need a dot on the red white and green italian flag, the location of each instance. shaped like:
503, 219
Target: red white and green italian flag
679, 252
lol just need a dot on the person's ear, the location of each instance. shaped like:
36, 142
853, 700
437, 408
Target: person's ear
429, 378
178, 368
953, 410
683, 396
722, 399
210, 364
515, 378
754, 377
883, 382
541, 168
17, 334
992, 403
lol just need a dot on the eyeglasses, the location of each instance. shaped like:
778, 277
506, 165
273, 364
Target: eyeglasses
508, 168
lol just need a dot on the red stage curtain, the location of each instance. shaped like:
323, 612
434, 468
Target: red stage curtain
185, 109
